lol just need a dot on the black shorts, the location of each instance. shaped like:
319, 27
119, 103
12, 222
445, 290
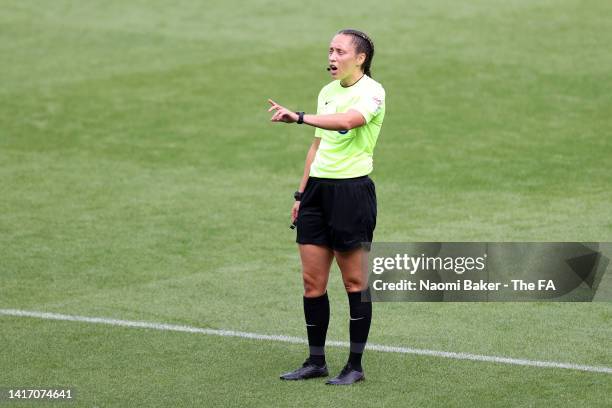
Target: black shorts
338, 213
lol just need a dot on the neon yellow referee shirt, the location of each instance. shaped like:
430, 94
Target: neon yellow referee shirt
347, 154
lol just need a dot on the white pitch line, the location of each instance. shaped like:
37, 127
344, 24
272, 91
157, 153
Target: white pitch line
298, 340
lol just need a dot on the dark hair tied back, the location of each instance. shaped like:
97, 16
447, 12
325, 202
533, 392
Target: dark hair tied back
363, 44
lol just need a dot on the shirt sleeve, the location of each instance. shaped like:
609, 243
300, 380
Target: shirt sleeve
370, 103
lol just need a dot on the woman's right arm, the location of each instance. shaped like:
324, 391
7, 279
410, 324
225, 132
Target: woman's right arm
309, 158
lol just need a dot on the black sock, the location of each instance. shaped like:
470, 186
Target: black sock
316, 312
359, 327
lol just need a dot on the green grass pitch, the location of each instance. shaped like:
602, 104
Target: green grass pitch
141, 179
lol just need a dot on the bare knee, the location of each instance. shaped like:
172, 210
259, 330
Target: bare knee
350, 264
311, 293
315, 284
353, 284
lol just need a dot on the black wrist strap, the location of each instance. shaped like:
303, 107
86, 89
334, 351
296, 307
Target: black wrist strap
300, 118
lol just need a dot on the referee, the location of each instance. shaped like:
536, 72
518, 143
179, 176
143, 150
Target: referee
335, 207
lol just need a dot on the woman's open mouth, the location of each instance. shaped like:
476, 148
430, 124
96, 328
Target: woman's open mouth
333, 69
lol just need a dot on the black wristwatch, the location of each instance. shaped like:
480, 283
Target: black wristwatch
300, 118
297, 195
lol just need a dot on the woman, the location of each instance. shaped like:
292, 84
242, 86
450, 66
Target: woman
335, 207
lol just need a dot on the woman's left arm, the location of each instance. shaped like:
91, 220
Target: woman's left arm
334, 121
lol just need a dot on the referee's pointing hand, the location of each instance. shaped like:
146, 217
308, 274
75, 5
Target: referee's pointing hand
282, 114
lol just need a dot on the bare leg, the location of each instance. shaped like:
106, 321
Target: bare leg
316, 262
353, 275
